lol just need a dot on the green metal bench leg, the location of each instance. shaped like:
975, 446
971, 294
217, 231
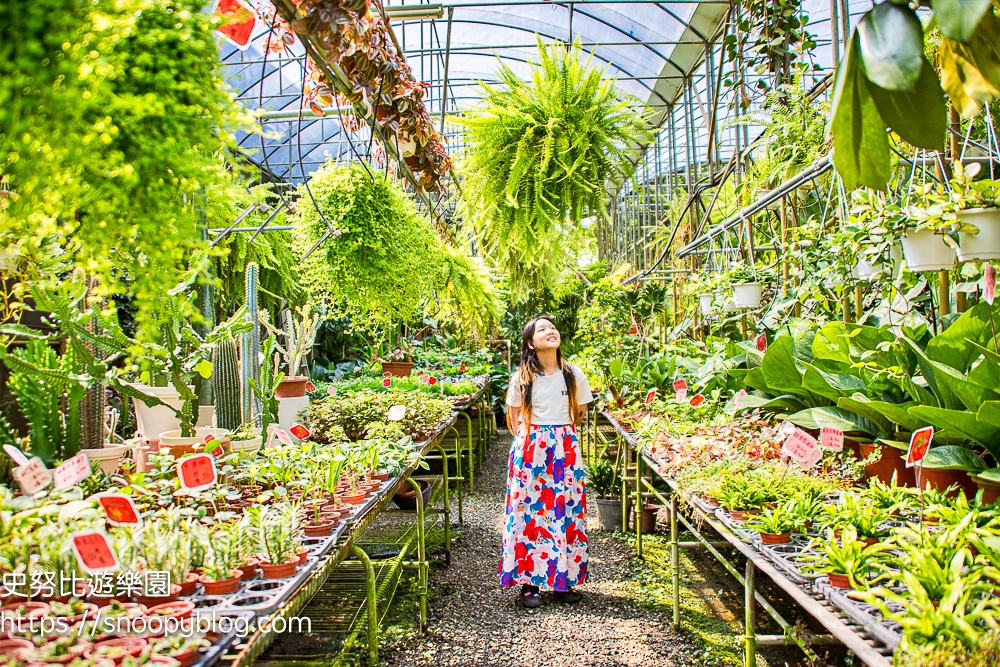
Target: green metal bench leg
371, 602
750, 635
638, 506
468, 444
458, 470
447, 508
422, 573
675, 562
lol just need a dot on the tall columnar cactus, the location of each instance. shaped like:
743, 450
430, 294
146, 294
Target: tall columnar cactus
250, 366
226, 385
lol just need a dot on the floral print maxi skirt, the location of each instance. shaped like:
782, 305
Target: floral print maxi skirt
545, 530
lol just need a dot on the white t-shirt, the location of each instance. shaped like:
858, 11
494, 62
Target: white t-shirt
550, 398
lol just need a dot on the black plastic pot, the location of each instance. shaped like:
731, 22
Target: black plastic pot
406, 497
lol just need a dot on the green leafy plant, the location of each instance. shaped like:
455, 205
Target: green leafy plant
266, 386
776, 520
849, 556
541, 153
602, 478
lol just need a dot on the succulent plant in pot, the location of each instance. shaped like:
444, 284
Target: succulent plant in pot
220, 574
278, 539
299, 335
182, 647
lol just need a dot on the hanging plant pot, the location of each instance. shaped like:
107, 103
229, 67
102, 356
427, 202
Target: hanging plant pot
407, 146
292, 387
747, 295
984, 246
926, 251
397, 368
705, 302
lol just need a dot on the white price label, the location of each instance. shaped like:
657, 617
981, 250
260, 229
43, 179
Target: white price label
800, 447
73, 471
831, 438
32, 476
397, 413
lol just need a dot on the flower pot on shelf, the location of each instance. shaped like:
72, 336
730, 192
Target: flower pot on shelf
609, 514
153, 601
747, 295
222, 586
152, 421
292, 387
926, 251
15, 648
319, 529
776, 538
179, 609
839, 580
178, 445
989, 483
190, 584
891, 461
984, 246
943, 479
705, 302
281, 570
131, 646
303, 555
397, 368
107, 457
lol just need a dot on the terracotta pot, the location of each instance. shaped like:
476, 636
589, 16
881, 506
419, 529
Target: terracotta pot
373, 482
249, 569
186, 658
190, 584
891, 461
840, 580
303, 555
160, 600
81, 647
990, 489
180, 609
381, 476
397, 368
318, 529
15, 647
775, 538
31, 609
406, 497
223, 586
649, 518
743, 515
164, 661
355, 499
89, 611
104, 600
280, 571
942, 479
292, 387
133, 646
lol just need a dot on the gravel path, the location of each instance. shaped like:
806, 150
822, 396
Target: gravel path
474, 622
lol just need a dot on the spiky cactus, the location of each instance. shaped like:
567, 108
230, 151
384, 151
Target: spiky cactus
250, 366
226, 385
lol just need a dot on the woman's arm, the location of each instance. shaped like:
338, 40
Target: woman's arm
514, 417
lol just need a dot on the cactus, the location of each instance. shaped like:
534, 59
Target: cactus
226, 385
299, 336
250, 367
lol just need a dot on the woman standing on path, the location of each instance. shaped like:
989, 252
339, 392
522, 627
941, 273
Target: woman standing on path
545, 532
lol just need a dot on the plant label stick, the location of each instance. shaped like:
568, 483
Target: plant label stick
310, 387
16, 455
73, 471
461, 369
831, 438
387, 382
32, 476
432, 381
332, 391
397, 413
799, 446
119, 509
93, 551
786, 428
681, 395
650, 396
197, 472
300, 431
761, 342
920, 442
238, 22
813, 459
283, 436
386, 374
738, 398
697, 400
989, 284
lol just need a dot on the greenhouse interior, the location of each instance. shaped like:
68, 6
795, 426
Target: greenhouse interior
490, 332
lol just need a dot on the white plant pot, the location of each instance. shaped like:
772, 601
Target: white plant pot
984, 246
179, 445
863, 270
705, 301
747, 295
246, 445
927, 251
289, 410
152, 421
107, 457
407, 147
730, 307
206, 415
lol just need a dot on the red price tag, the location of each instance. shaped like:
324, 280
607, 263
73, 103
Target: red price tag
386, 374
680, 384
813, 460
650, 396
461, 368
433, 380
697, 400
73, 471
238, 22
761, 342
387, 382
831, 438
989, 284
332, 391
681, 395
300, 431
213, 446
920, 442
799, 446
33, 476
197, 471
94, 551
119, 509
283, 437
310, 387
738, 398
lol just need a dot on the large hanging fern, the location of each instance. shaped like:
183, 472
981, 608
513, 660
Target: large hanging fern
541, 153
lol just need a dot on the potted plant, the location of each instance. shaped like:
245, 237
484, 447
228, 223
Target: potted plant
116, 649
278, 541
602, 478
888, 461
846, 560
776, 524
61, 650
947, 468
398, 362
976, 204
220, 573
182, 647
988, 482
299, 336
320, 525
747, 291
864, 517
926, 244
744, 496
265, 387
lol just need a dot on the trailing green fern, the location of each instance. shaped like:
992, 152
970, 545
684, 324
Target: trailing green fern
541, 154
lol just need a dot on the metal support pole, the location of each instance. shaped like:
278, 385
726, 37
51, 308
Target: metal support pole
944, 293
468, 443
624, 474
422, 570
458, 469
371, 602
675, 562
750, 636
638, 505
447, 58
447, 506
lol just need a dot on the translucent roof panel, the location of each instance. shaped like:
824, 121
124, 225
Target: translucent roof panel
651, 48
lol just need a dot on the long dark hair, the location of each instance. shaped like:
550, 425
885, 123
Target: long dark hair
530, 366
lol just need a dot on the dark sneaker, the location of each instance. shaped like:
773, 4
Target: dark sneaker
567, 597
530, 597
